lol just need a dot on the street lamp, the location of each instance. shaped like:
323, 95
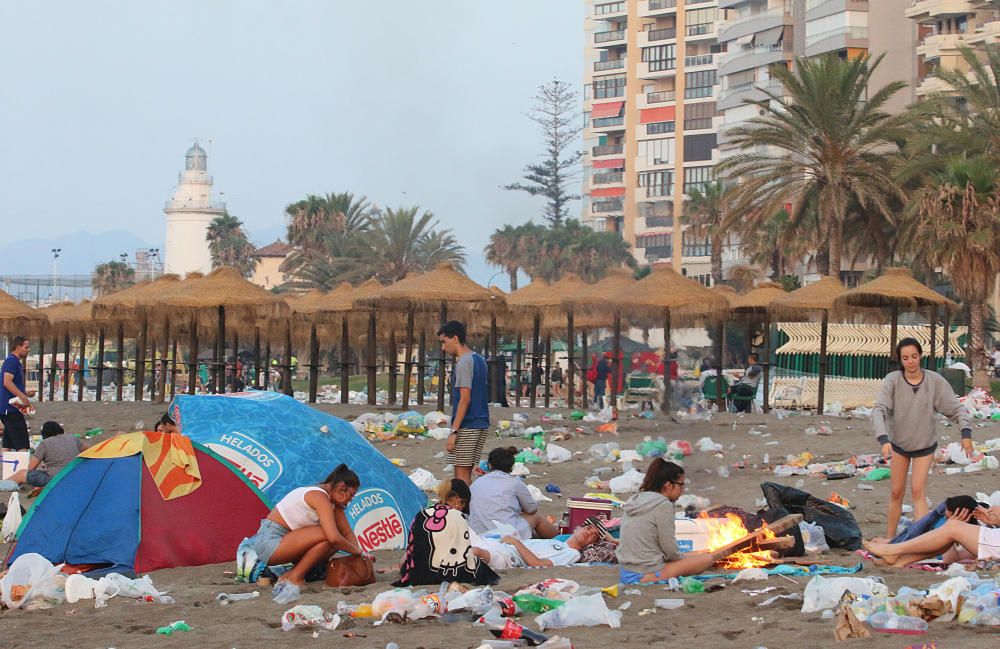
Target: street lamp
55, 266
154, 254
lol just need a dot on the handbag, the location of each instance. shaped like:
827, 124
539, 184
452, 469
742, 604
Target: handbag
350, 571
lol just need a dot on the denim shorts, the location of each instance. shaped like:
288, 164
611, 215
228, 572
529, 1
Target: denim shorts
37, 478
266, 540
629, 577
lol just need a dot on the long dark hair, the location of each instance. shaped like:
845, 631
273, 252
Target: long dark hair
908, 342
659, 473
343, 473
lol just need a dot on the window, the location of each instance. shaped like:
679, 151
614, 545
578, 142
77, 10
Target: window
699, 115
698, 84
657, 152
659, 58
657, 183
610, 86
698, 148
696, 178
609, 121
693, 246
609, 8
659, 128
699, 21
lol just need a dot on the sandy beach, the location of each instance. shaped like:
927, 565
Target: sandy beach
723, 619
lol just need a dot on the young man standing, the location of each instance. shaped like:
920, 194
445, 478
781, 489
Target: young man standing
470, 414
15, 428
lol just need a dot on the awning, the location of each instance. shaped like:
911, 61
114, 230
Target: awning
653, 115
771, 36
610, 109
614, 163
607, 191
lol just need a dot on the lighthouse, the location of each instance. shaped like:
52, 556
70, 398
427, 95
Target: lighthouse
189, 212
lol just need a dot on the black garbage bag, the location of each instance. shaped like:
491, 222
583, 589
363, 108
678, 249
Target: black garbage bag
838, 524
772, 514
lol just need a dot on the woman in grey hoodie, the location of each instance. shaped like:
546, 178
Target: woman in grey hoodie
903, 419
647, 551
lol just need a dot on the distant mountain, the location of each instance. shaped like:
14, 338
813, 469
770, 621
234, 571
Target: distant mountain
81, 251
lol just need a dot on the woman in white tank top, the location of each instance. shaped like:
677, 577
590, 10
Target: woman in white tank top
307, 527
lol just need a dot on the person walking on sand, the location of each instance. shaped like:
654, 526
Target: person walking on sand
903, 419
15, 428
470, 413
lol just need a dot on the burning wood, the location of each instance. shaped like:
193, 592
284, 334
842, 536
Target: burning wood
733, 546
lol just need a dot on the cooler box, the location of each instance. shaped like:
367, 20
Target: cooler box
580, 509
692, 533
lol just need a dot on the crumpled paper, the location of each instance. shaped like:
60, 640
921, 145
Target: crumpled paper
847, 624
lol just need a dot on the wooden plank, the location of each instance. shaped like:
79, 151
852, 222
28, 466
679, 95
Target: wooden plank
778, 543
781, 525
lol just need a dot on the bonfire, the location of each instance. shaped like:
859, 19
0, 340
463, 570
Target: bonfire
730, 528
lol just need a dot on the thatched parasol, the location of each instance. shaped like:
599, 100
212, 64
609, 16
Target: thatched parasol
661, 292
16, 316
70, 319
897, 289
528, 303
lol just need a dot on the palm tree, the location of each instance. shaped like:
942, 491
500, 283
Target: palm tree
829, 140
112, 276
314, 217
956, 225
404, 242
502, 251
230, 246
705, 213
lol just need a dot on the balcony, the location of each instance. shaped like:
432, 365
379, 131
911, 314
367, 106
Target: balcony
775, 17
661, 97
611, 178
938, 45
610, 38
699, 60
731, 4
836, 40
657, 69
603, 207
608, 10
754, 57
613, 64
816, 9
654, 8
699, 30
666, 34
737, 95
986, 33
607, 149
928, 9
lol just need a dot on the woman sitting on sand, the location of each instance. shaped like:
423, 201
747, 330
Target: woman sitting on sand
499, 497
647, 549
974, 541
305, 528
903, 419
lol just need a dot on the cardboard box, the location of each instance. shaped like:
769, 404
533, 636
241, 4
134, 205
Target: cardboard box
12, 462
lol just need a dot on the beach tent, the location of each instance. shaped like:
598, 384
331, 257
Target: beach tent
140, 502
280, 444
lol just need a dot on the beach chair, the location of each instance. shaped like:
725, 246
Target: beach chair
642, 389
710, 390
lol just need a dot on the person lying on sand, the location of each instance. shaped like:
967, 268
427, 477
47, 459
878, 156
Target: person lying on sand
512, 552
647, 551
305, 528
981, 542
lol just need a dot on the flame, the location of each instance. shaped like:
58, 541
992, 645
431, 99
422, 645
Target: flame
730, 528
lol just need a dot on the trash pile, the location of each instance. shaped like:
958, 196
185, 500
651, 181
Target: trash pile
981, 405
384, 426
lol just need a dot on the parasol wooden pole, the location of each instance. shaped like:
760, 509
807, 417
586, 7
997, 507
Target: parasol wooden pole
583, 370
571, 369
119, 369
616, 362
256, 358
53, 371
548, 368
536, 360
81, 383
444, 319
767, 362
667, 386
494, 362
823, 331
140, 360
100, 362
391, 359
236, 356
173, 369
932, 356
345, 368
66, 368
517, 373
266, 371
193, 356
720, 396
408, 361
313, 363
220, 354
893, 334
370, 358
287, 375
946, 335
164, 362
41, 370
421, 367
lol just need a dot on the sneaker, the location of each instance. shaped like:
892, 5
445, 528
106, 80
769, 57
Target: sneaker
247, 565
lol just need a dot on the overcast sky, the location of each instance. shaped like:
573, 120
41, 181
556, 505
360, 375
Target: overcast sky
409, 103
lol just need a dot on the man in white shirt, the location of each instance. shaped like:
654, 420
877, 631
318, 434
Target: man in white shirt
511, 552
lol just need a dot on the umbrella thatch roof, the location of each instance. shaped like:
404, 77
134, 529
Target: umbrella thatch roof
312, 306
758, 300
132, 302
428, 291
224, 287
602, 296
896, 287
663, 289
16, 315
69, 318
818, 296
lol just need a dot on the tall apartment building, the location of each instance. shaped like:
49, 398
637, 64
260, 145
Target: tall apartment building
943, 28
651, 122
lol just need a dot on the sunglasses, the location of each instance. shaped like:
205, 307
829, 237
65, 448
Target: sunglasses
679, 484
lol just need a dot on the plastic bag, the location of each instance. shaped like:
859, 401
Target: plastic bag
397, 600
32, 582
838, 524
476, 601
813, 537
410, 423
604, 452
12, 519
436, 419
580, 611
424, 479
824, 592
132, 588
706, 445
537, 494
628, 482
557, 454
309, 616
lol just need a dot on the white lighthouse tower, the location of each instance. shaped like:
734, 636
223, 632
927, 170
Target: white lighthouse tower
189, 212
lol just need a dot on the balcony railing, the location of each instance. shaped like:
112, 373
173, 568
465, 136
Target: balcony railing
700, 59
609, 8
852, 33
195, 205
657, 5
604, 122
699, 29
608, 178
661, 96
614, 64
661, 34
607, 149
772, 85
605, 37
601, 207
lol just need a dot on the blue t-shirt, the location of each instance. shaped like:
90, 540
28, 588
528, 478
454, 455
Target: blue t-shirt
470, 372
11, 365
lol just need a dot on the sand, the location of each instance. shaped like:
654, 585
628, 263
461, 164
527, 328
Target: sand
723, 619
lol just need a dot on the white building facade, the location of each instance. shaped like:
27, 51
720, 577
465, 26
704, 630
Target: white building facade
189, 212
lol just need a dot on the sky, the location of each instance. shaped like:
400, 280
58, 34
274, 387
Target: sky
407, 103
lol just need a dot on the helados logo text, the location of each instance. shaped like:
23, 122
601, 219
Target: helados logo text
376, 520
253, 459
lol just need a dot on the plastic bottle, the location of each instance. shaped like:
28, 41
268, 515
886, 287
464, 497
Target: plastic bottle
507, 629
889, 622
690, 585
508, 607
226, 598
428, 606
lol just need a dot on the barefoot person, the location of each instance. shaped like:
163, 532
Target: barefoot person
903, 419
647, 548
511, 552
981, 542
305, 528
499, 497
470, 412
